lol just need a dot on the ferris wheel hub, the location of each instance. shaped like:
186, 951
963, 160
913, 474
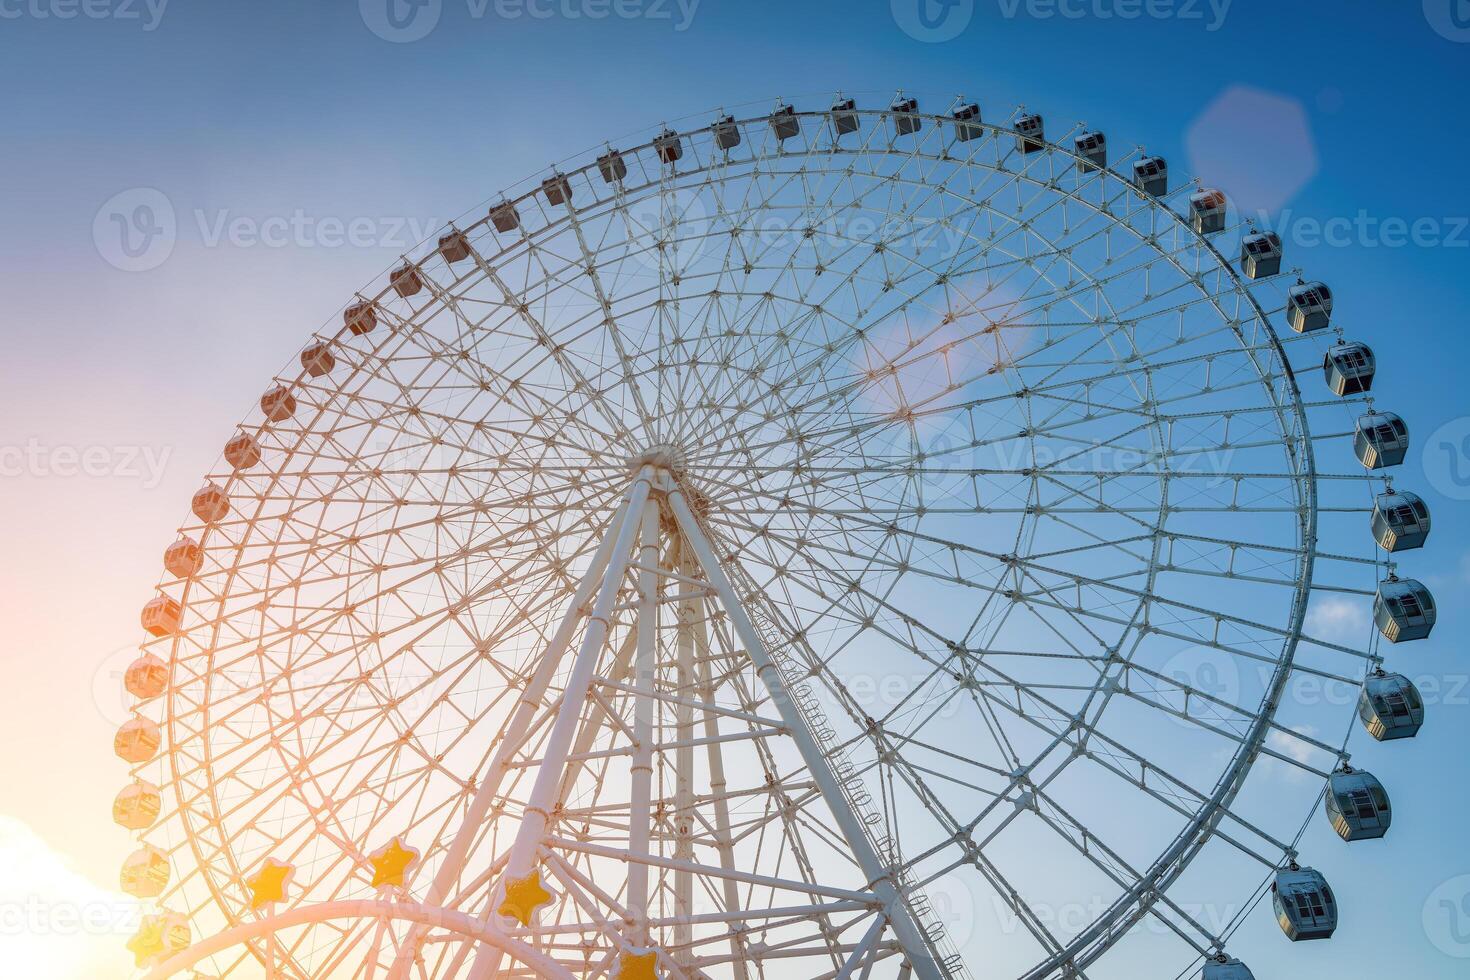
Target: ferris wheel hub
662, 456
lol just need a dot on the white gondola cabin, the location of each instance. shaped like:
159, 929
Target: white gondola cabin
612, 166
1400, 521
967, 122
1348, 367
1309, 307
360, 318
1227, 968
1260, 255
278, 404
905, 116
668, 147
406, 280
1151, 175
727, 133
1390, 706
784, 122
558, 189
1207, 211
137, 805
145, 873
317, 359
210, 503
161, 616
504, 217
242, 452
1304, 904
454, 246
183, 558
1382, 439
146, 677
160, 937
1030, 133
1357, 805
1092, 147
844, 118
137, 740
1403, 610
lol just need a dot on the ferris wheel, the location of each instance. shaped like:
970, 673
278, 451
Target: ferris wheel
828, 542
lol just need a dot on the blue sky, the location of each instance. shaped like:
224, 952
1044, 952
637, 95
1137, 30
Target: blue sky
1346, 122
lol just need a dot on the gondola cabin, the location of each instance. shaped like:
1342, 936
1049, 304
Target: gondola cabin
317, 359
242, 452
145, 873
504, 217
137, 740
1227, 968
1357, 805
1092, 147
406, 280
1348, 368
1309, 307
1403, 610
278, 404
360, 318
210, 503
137, 805
967, 122
668, 147
1400, 521
727, 133
1030, 133
1304, 904
454, 247
1382, 439
161, 616
1151, 175
146, 677
784, 122
905, 116
1260, 255
558, 189
844, 117
1207, 211
1390, 707
612, 166
183, 558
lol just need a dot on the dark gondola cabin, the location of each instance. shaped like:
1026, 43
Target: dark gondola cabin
1260, 255
1304, 904
1382, 439
784, 122
1092, 147
1403, 610
1390, 707
1309, 307
454, 247
967, 122
612, 166
844, 118
1151, 175
727, 133
1348, 368
1400, 520
1030, 133
1207, 211
905, 116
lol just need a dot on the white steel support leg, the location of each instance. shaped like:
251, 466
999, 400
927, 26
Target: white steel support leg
879, 879
683, 933
537, 815
510, 742
639, 811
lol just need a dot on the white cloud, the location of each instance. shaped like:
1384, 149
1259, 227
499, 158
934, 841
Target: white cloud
56, 924
1336, 618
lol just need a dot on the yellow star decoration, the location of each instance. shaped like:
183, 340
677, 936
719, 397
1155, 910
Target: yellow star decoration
392, 862
641, 965
158, 936
268, 885
524, 897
